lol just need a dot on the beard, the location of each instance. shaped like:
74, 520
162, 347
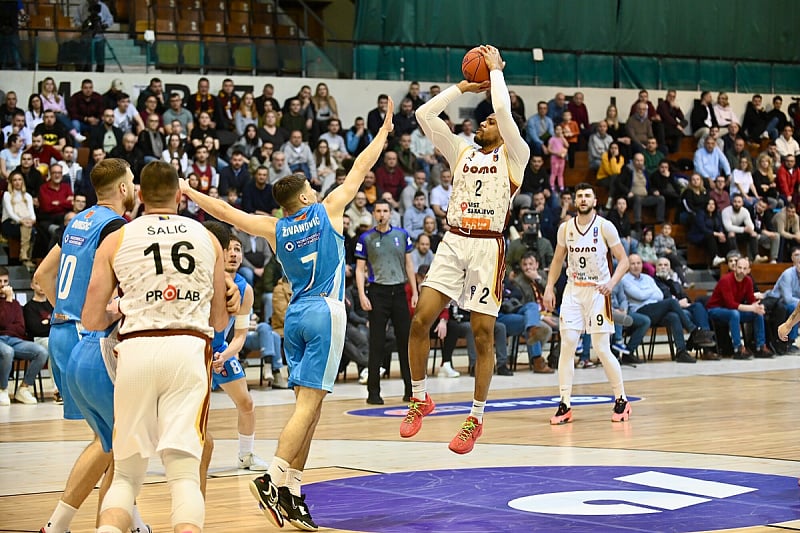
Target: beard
479, 140
130, 201
585, 210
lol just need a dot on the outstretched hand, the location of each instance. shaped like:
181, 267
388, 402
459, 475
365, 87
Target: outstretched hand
492, 57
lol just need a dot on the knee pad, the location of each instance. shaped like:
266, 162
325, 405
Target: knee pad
128, 478
183, 477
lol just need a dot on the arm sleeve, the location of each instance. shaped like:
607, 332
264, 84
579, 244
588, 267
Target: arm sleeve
518, 150
436, 129
610, 234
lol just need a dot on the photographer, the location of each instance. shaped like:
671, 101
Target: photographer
530, 240
94, 18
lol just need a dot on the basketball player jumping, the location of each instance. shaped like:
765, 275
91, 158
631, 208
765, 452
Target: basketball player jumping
309, 244
469, 264
585, 242
170, 272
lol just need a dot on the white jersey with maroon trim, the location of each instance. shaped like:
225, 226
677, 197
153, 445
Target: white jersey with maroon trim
588, 259
482, 191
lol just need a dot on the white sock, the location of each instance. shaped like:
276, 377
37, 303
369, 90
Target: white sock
294, 480
61, 519
277, 471
418, 389
137, 523
610, 364
246, 444
477, 410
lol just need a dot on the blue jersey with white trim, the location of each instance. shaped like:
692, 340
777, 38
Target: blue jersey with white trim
311, 252
78, 248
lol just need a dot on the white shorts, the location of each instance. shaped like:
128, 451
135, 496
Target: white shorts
585, 309
470, 271
161, 395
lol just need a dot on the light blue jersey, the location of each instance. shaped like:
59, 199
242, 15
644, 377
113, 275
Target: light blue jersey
311, 252
232, 369
78, 248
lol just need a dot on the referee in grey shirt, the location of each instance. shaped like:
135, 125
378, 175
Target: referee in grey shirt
383, 258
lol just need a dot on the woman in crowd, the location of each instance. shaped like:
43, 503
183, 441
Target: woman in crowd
11, 155
176, 149
326, 164
51, 100
618, 132
19, 218
707, 231
611, 165
742, 182
33, 116
764, 180
324, 107
246, 114
647, 251
248, 143
694, 199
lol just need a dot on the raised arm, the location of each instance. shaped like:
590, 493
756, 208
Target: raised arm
258, 225
518, 149
342, 195
436, 129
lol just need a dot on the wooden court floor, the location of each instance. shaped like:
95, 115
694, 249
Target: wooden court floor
727, 415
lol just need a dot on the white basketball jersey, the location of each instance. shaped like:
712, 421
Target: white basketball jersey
588, 258
482, 191
165, 268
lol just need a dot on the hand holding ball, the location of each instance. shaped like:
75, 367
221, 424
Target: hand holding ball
474, 67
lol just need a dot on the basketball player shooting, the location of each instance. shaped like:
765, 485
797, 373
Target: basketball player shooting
469, 264
585, 241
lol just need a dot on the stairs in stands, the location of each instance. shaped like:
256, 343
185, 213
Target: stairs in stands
127, 51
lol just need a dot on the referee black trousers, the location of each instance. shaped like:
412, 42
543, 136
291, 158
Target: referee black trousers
388, 302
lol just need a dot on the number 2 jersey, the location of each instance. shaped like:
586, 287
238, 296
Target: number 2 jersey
165, 268
79, 245
311, 253
588, 251
483, 183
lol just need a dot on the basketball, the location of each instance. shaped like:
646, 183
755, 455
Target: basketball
474, 67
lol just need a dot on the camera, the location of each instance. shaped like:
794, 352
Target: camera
93, 25
531, 234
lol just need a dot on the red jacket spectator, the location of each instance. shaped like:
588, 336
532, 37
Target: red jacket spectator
787, 180
12, 320
729, 293
44, 155
55, 198
393, 182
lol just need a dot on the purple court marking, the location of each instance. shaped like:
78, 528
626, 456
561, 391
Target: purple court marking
511, 404
548, 499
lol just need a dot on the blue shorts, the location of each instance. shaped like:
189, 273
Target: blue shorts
231, 371
91, 387
313, 341
63, 338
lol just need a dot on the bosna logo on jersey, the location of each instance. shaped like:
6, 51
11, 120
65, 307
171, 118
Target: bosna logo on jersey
171, 293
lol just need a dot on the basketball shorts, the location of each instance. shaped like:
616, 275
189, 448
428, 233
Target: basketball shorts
470, 271
162, 395
585, 309
91, 387
64, 337
313, 341
231, 371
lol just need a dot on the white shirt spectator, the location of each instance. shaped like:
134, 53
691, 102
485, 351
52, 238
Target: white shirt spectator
125, 121
32, 121
421, 146
336, 142
785, 147
469, 138
736, 222
26, 134
441, 197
